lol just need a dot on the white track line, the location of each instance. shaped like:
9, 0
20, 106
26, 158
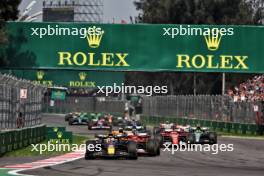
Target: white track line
46, 162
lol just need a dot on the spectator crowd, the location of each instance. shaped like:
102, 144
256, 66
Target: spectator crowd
250, 91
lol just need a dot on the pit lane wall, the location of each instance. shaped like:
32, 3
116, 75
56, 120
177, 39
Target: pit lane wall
11, 140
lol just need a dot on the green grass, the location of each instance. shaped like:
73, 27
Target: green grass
27, 151
4, 172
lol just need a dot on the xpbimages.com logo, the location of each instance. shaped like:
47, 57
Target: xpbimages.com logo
189, 30
186, 147
93, 34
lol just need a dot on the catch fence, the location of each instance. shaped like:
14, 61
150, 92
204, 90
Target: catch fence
84, 104
207, 107
19, 100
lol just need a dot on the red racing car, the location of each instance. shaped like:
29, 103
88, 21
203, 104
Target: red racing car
171, 133
145, 143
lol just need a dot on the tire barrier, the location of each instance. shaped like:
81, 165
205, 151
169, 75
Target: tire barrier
11, 140
220, 126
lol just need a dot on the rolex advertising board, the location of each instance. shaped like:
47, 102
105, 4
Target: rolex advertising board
137, 47
69, 78
58, 95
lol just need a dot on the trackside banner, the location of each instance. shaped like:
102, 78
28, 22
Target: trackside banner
70, 78
141, 47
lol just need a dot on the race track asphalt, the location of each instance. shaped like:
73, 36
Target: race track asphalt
247, 159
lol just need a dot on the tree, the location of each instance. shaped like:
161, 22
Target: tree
13, 56
258, 8
11, 44
194, 12
8, 11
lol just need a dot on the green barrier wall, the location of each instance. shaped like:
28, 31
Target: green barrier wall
227, 127
19, 138
3, 147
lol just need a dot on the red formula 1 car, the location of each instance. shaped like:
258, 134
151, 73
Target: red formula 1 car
100, 124
145, 143
171, 133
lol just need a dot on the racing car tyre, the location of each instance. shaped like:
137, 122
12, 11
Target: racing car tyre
148, 132
67, 117
156, 130
212, 138
152, 147
158, 147
115, 123
111, 127
70, 121
90, 124
132, 150
145, 127
191, 139
159, 139
89, 154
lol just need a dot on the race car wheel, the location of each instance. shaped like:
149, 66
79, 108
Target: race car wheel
90, 124
158, 151
115, 123
70, 121
158, 147
158, 139
191, 139
111, 127
156, 130
67, 117
145, 127
152, 147
89, 155
148, 132
212, 138
132, 150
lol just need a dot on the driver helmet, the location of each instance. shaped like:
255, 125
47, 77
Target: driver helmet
134, 130
198, 127
110, 135
134, 123
121, 130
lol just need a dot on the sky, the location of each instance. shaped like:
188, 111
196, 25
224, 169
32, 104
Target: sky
114, 10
